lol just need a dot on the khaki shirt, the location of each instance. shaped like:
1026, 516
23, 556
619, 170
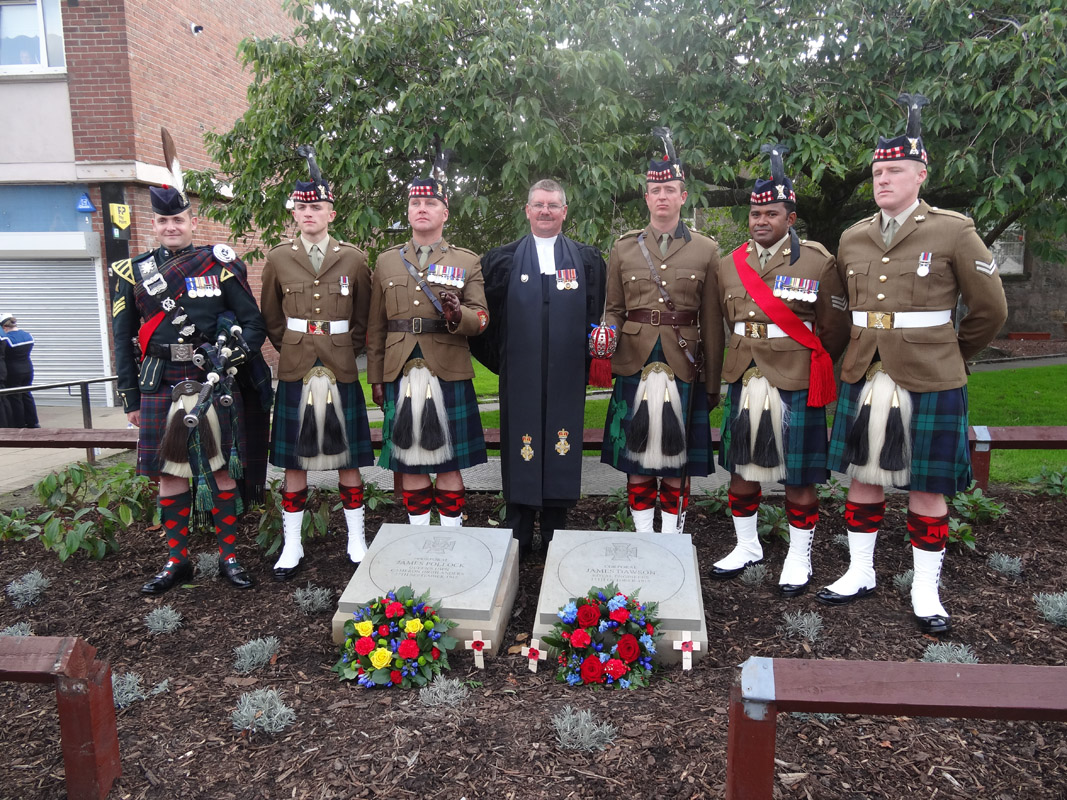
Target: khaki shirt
396, 295
784, 361
890, 280
689, 274
291, 288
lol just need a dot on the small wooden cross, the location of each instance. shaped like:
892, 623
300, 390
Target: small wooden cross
533, 654
687, 646
477, 644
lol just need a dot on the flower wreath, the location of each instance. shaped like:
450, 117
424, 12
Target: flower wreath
606, 638
395, 640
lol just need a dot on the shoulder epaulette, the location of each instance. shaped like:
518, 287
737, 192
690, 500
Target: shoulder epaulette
351, 246
463, 250
864, 221
630, 234
815, 246
124, 269
398, 246
287, 244
707, 236
944, 212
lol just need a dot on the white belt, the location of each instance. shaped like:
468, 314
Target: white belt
762, 330
886, 320
319, 327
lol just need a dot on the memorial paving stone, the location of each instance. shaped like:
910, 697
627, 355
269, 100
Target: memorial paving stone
659, 567
471, 574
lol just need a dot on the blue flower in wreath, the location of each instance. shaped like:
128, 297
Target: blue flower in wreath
569, 614
617, 602
623, 683
605, 625
573, 678
646, 640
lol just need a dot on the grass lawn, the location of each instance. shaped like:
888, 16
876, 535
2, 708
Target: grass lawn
1031, 396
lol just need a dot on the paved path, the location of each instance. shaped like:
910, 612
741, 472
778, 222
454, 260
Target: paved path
25, 466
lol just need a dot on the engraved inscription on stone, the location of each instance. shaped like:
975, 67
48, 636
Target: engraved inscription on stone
433, 561
656, 571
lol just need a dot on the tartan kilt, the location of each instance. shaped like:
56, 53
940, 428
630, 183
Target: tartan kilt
621, 410
285, 428
940, 457
156, 406
464, 427
803, 436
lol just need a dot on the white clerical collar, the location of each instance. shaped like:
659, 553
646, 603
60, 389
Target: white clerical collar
901, 218
546, 253
322, 243
772, 249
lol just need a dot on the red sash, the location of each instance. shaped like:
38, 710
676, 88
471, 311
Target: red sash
821, 388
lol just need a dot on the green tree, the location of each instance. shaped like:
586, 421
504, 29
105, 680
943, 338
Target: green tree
571, 91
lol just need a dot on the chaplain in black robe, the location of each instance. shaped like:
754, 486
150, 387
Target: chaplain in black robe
544, 293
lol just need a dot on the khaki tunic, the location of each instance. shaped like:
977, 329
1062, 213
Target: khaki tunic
887, 279
396, 295
689, 274
291, 288
784, 361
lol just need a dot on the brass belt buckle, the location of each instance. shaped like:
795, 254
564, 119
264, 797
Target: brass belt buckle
181, 352
654, 317
880, 320
756, 330
318, 327
416, 325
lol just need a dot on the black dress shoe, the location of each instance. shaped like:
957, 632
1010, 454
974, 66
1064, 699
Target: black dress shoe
835, 599
165, 580
792, 589
718, 574
935, 624
285, 573
235, 573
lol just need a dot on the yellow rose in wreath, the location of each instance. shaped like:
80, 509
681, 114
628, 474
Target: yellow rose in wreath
413, 626
380, 658
365, 628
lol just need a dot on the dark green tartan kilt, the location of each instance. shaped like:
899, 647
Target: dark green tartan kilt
464, 427
154, 410
940, 457
803, 436
285, 429
621, 411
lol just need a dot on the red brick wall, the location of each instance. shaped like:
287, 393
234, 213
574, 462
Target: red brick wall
98, 78
191, 84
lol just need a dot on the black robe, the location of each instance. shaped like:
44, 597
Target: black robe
537, 341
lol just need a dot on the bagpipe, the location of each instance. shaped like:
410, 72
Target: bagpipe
192, 439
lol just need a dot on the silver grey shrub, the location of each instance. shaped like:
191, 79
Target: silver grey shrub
253, 655
163, 620
579, 730
262, 711
443, 692
949, 653
1053, 607
126, 689
805, 624
313, 599
754, 575
18, 629
1008, 566
26, 591
206, 566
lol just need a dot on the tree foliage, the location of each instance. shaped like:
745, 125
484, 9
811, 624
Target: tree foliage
571, 91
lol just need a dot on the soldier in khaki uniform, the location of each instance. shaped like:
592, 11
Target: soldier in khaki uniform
427, 297
315, 299
662, 298
785, 306
902, 414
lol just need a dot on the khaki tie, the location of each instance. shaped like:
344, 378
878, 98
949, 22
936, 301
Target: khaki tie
664, 243
890, 229
316, 257
424, 254
764, 257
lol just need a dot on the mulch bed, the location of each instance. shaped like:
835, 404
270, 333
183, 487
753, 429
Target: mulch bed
671, 742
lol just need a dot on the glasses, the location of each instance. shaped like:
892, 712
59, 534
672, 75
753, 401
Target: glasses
555, 208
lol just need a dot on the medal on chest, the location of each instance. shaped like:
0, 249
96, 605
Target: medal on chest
566, 279
925, 258
804, 289
344, 286
203, 286
446, 276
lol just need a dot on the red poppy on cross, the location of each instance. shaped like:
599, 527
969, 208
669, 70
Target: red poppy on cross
533, 654
477, 645
687, 646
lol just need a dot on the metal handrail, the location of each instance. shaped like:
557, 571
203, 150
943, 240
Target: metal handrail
87, 409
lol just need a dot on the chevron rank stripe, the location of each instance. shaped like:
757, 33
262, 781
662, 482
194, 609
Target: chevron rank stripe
986, 268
